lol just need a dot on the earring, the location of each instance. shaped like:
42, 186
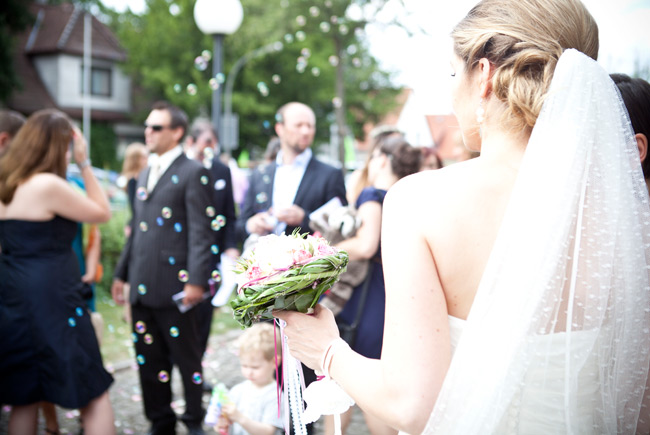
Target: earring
480, 112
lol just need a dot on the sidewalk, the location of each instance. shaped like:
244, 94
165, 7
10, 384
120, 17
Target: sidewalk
220, 364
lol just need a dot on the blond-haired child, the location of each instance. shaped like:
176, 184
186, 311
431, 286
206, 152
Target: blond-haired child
253, 405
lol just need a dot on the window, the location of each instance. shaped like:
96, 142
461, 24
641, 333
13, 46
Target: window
100, 81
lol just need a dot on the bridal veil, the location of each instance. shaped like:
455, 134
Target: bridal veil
561, 319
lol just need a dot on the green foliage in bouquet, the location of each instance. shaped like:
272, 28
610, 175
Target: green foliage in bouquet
298, 288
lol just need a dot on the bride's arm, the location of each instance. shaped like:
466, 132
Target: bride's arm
401, 388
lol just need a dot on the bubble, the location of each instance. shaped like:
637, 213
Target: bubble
144, 227
358, 32
148, 339
178, 227
183, 276
160, 221
221, 220
79, 311
284, 3
333, 60
356, 62
328, 3
140, 359
192, 89
213, 83
336, 102
261, 197
200, 63
266, 124
175, 179
173, 331
278, 46
220, 184
208, 153
207, 55
301, 20
352, 49
174, 9
288, 37
343, 29
300, 67
214, 225
197, 378
263, 88
305, 52
300, 35
216, 276
141, 193
111, 328
140, 327
210, 211
221, 78
72, 322
204, 180
214, 249
266, 179
134, 337
172, 260
166, 212
276, 79
315, 71
163, 376
142, 289
178, 88
314, 11
324, 27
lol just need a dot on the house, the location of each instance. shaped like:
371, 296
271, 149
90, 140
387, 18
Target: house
50, 63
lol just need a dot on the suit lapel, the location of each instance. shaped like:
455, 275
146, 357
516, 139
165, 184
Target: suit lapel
305, 183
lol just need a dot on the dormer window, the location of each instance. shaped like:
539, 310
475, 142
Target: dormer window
100, 81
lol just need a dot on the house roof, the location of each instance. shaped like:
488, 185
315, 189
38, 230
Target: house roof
60, 29
57, 29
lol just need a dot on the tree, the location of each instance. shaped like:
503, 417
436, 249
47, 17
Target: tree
14, 17
323, 62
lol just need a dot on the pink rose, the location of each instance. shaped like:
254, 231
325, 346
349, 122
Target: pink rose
254, 272
325, 249
300, 256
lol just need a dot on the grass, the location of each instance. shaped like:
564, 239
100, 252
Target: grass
117, 345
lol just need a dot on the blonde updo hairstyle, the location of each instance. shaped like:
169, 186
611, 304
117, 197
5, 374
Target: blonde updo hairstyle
523, 40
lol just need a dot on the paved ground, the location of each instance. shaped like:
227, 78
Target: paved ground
220, 364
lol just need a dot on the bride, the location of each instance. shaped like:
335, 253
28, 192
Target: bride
517, 283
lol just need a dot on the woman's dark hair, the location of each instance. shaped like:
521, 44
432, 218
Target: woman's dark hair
636, 96
404, 158
39, 146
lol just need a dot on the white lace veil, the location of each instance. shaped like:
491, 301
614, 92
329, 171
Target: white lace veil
561, 322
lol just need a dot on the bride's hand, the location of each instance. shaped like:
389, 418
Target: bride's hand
309, 334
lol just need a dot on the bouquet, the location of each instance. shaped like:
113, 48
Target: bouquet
285, 273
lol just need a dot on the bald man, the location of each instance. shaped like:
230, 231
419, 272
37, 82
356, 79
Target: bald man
284, 192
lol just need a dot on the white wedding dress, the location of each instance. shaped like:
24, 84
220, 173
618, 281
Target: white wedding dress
538, 407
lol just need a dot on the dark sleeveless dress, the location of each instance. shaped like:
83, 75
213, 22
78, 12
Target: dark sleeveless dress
48, 348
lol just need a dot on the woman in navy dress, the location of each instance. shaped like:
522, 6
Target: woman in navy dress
48, 348
392, 159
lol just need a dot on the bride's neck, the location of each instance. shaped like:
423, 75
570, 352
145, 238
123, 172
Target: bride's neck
503, 147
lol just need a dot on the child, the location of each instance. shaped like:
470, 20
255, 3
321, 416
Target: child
253, 405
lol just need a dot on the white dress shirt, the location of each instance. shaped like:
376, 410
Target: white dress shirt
286, 182
161, 163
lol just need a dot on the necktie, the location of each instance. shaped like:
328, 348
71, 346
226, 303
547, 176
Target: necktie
154, 174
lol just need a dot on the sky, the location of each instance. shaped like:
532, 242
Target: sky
421, 61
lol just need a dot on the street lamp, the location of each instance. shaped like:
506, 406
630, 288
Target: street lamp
217, 18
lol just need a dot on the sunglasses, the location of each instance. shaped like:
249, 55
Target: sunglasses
156, 127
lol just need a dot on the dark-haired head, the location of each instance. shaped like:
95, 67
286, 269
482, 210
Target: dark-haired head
404, 158
636, 97
178, 118
39, 146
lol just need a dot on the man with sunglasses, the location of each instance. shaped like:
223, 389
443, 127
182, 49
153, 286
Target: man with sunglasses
169, 252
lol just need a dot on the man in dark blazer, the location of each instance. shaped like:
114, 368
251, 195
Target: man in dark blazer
169, 251
283, 193
202, 144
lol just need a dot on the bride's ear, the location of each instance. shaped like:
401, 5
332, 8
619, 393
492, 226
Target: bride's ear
642, 145
485, 70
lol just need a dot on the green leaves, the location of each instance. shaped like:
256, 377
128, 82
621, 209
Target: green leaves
297, 289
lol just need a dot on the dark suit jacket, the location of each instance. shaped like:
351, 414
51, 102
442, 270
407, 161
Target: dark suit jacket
224, 205
320, 183
171, 235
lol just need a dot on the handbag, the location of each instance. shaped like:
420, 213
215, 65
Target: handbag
347, 331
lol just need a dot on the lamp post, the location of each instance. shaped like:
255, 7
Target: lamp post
218, 18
